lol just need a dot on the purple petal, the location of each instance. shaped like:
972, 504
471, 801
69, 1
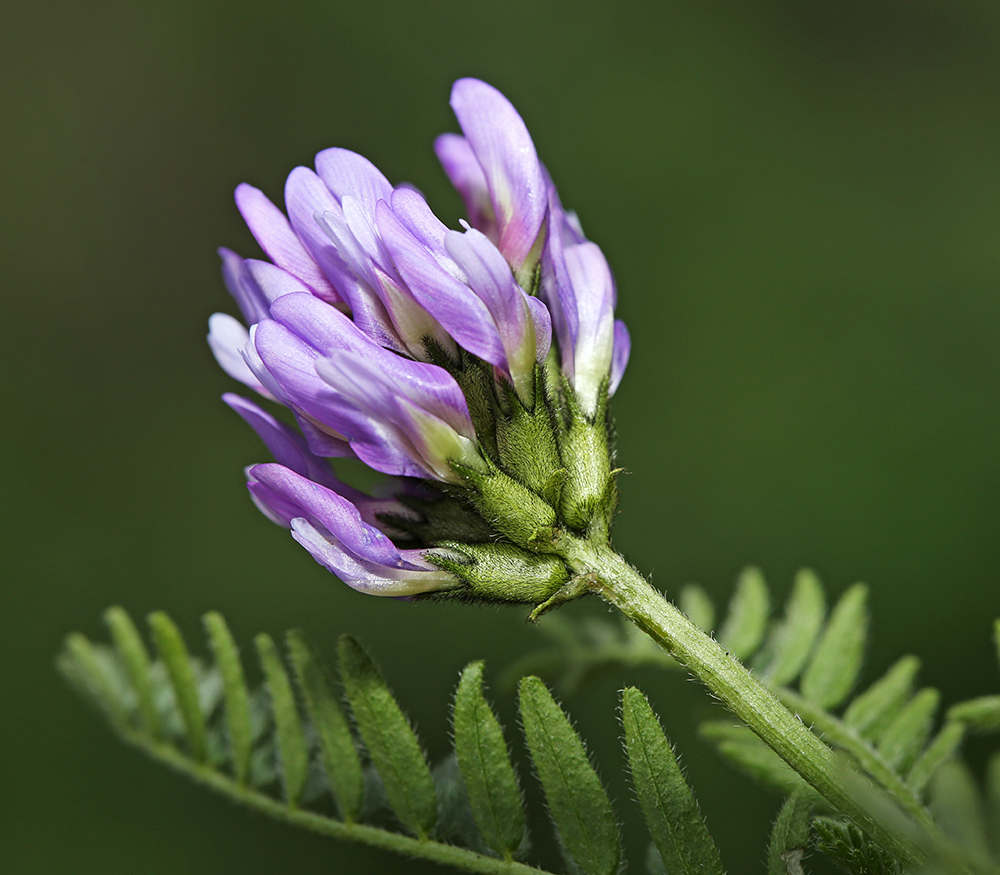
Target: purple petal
288, 447
275, 235
307, 197
619, 359
347, 173
463, 169
252, 302
371, 578
453, 304
505, 152
227, 338
412, 211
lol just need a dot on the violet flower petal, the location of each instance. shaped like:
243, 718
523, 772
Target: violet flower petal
251, 300
463, 169
276, 237
619, 358
506, 153
227, 338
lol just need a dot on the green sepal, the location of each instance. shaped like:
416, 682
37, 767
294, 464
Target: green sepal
579, 806
851, 849
293, 755
441, 518
235, 693
590, 493
497, 572
391, 742
338, 752
671, 812
790, 835
490, 780
746, 620
174, 653
510, 507
833, 669
134, 656
793, 639
527, 444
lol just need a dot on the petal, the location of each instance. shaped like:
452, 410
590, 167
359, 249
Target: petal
276, 237
227, 337
366, 577
504, 149
289, 448
452, 303
347, 173
619, 359
463, 169
251, 300
308, 198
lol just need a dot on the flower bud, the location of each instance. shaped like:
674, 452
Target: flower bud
499, 572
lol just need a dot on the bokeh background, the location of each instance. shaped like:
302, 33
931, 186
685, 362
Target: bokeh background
800, 200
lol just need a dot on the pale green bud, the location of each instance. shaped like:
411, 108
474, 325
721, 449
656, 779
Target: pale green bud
499, 572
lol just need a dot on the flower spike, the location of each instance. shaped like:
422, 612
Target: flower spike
424, 352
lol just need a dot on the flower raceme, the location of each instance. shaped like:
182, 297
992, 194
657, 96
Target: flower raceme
473, 367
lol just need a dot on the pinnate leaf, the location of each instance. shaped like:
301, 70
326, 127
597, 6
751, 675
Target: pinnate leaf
907, 734
338, 752
790, 836
872, 711
672, 814
746, 621
391, 742
577, 802
794, 638
490, 780
835, 663
293, 755
173, 651
235, 693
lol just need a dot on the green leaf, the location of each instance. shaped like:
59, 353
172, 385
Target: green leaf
338, 751
579, 806
793, 639
672, 814
134, 656
907, 734
790, 836
993, 798
958, 808
872, 711
293, 754
234, 688
697, 604
490, 780
174, 653
746, 621
391, 742
981, 715
835, 664
939, 751
739, 744
82, 665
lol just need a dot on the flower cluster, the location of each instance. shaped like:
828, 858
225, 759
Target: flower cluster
471, 366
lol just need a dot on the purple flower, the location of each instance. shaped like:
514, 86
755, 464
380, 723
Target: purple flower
424, 352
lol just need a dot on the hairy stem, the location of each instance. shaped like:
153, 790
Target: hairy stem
621, 585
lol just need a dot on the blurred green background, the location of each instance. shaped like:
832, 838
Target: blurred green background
801, 203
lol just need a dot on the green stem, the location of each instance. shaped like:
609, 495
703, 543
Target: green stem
420, 848
621, 585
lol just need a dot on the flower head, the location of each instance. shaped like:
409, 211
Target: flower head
472, 366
